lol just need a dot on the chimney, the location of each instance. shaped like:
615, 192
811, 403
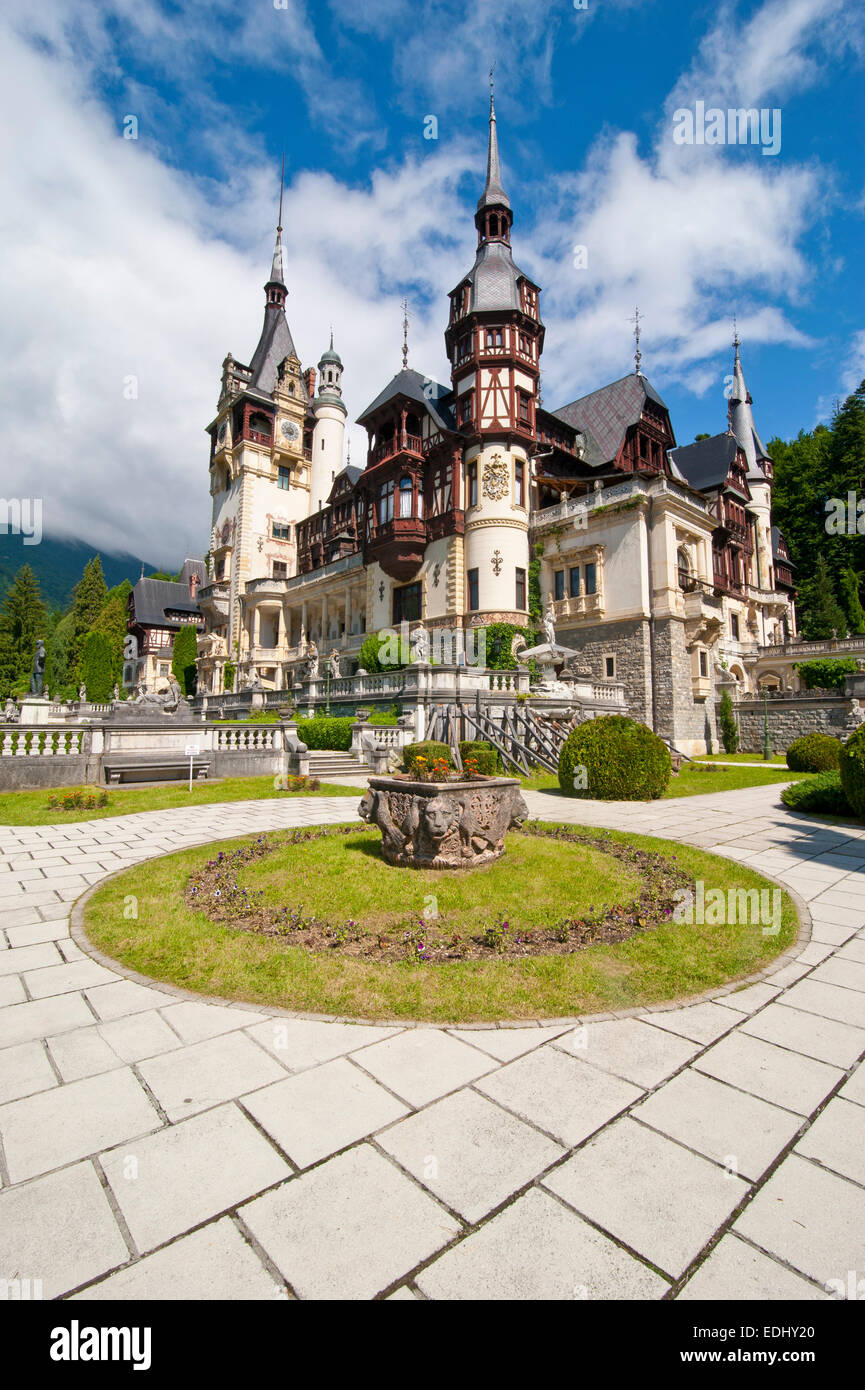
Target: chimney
309, 381
194, 582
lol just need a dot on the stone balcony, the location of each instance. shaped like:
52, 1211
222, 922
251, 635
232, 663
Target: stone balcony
581, 606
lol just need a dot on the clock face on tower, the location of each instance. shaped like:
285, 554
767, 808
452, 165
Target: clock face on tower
222, 432
288, 429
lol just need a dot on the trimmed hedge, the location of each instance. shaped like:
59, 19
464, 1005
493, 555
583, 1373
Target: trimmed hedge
429, 750
814, 753
852, 769
485, 755
825, 673
821, 793
624, 760
322, 732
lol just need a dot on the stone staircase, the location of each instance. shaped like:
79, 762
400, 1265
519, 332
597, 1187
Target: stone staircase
326, 764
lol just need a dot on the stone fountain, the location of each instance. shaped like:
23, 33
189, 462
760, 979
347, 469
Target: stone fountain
457, 824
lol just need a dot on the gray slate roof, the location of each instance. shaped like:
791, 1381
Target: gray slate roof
429, 394
777, 542
707, 462
604, 416
494, 279
274, 344
152, 597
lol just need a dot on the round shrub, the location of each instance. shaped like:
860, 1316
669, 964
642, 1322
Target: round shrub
326, 732
485, 755
429, 750
623, 760
821, 793
814, 753
852, 770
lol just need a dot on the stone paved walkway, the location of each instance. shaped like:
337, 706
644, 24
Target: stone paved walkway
156, 1146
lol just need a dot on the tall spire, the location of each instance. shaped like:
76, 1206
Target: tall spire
405, 334
741, 419
638, 356
493, 195
277, 272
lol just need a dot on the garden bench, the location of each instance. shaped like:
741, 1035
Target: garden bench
144, 767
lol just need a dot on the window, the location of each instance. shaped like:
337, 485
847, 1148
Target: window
283, 479
466, 408
610, 668
574, 582
494, 337
734, 626
472, 577
385, 502
464, 348
281, 532
559, 584
472, 485
525, 345
686, 581
405, 497
704, 664
407, 603
520, 483
520, 594
220, 569
260, 423
523, 406
280, 569
591, 579
644, 447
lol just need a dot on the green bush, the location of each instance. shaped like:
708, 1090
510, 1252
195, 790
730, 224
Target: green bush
729, 727
97, 667
485, 755
384, 651
821, 793
814, 753
429, 750
825, 673
183, 659
384, 716
326, 732
498, 639
852, 768
623, 760
228, 676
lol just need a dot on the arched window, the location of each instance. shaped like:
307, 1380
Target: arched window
405, 508
686, 578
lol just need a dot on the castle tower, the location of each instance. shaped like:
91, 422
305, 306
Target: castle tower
329, 433
494, 340
741, 425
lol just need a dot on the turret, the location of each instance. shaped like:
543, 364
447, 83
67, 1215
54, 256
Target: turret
328, 437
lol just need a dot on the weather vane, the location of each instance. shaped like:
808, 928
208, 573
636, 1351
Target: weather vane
404, 334
638, 356
736, 339
281, 187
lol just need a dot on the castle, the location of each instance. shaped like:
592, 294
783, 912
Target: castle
661, 563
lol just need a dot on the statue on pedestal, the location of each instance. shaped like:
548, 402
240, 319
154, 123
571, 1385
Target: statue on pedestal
10, 711
38, 668
550, 623
333, 663
312, 668
855, 718
82, 692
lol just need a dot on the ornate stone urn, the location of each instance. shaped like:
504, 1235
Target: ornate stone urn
459, 824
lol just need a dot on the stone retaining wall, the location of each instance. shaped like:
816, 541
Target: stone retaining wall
790, 719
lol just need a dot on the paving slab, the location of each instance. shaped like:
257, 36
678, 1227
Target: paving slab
314, 1226
560, 1094
810, 1034
196, 1023
299, 1042
59, 1229
140, 1035
191, 1079
24, 1069
469, 1152
630, 1049
809, 1218
836, 1139
168, 1182
738, 1131
787, 1079
849, 974
422, 1064
213, 1263
537, 1249
854, 1089
702, 1023
42, 1018
829, 1001
65, 1123
20, 958
63, 979
644, 1189
736, 1272
318, 1111
124, 998
507, 1043
82, 1052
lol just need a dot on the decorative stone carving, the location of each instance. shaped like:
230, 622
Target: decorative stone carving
496, 479
443, 825
855, 717
497, 561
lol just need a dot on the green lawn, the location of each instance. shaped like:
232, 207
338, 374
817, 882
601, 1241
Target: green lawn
31, 808
172, 942
777, 759
692, 781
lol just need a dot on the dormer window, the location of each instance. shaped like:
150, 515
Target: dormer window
494, 337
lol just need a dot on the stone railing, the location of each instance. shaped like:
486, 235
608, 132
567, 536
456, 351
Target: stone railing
849, 645
247, 737
620, 492
17, 741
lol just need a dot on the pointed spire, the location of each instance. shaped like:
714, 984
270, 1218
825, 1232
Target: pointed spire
638, 356
405, 335
493, 195
277, 272
741, 419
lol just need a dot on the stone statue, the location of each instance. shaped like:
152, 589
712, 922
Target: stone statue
38, 668
10, 711
312, 668
116, 692
420, 644
550, 623
856, 717
82, 692
333, 663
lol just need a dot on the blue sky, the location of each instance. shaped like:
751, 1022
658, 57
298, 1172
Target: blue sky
131, 267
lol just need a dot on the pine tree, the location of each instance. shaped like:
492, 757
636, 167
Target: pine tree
822, 612
22, 620
848, 586
112, 621
97, 668
59, 658
88, 601
183, 659
729, 727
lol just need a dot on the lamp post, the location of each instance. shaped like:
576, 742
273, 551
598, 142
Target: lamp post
767, 747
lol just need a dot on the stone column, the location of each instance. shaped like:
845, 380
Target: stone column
323, 622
